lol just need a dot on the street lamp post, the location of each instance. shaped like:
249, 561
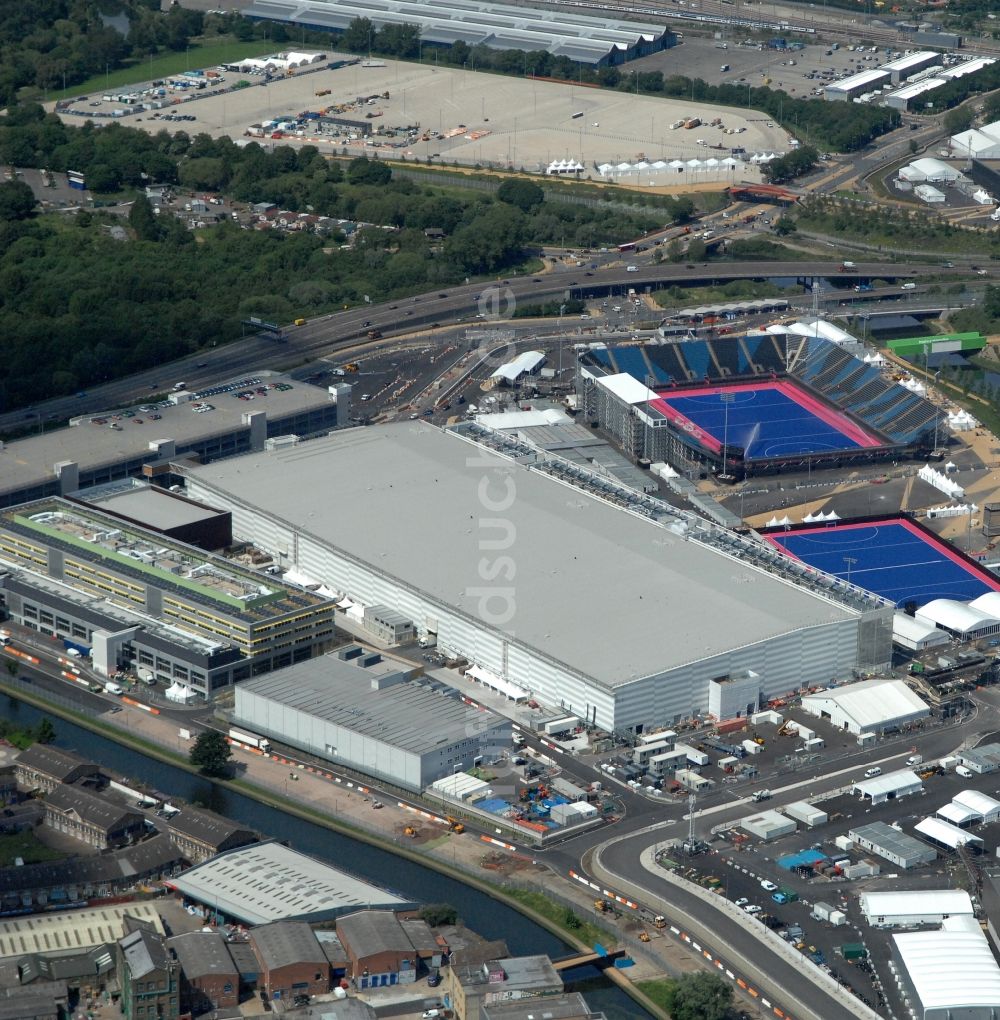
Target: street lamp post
727, 399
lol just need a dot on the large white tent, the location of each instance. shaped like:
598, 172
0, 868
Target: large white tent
952, 972
870, 706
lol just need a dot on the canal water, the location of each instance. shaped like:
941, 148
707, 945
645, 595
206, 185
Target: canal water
482, 913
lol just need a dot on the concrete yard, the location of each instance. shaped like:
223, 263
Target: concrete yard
485, 118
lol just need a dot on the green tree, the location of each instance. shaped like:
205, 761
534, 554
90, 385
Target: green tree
17, 201
359, 35
436, 914
526, 195
700, 997
784, 226
368, 171
696, 250
211, 754
958, 119
45, 732
142, 220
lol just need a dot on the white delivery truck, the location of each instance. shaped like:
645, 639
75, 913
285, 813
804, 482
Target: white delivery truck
262, 744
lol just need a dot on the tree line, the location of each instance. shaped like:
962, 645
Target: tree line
78, 306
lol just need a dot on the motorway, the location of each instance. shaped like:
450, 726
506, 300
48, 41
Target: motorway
474, 304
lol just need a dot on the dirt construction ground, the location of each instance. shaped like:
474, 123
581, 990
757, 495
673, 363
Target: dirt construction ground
512, 121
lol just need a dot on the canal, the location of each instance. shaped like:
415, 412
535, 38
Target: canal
483, 914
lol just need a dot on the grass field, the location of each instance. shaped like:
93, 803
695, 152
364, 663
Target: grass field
26, 846
207, 53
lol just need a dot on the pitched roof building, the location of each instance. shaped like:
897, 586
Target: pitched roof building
91, 819
43, 767
200, 835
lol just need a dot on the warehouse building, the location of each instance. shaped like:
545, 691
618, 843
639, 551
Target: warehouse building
909, 96
910, 907
271, 882
588, 544
909, 64
205, 424
949, 973
587, 40
895, 846
856, 85
871, 706
361, 712
138, 600
978, 143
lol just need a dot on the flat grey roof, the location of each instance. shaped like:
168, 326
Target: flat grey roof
152, 506
408, 714
892, 840
29, 461
405, 499
270, 882
552, 1007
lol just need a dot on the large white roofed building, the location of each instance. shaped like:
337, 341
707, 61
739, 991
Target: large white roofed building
947, 835
951, 973
909, 632
919, 906
612, 605
871, 706
985, 807
889, 787
962, 619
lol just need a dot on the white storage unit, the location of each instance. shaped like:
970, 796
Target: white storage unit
751, 747
844, 843
768, 825
694, 756
804, 812
837, 918
573, 813
871, 706
769, 718
923, 906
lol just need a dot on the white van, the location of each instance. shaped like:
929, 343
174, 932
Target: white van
961, 770
113, 688
631, 269
873, 772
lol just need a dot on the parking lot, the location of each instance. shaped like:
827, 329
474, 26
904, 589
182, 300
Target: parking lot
751, 64
471, 118
799, 870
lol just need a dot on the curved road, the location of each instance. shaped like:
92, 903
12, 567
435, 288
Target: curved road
476, 304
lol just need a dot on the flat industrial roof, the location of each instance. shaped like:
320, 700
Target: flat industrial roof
859, 80
409, 715
909, 60
29, 461
71, 929
271, 882
407, 500
151, 506
890, 904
